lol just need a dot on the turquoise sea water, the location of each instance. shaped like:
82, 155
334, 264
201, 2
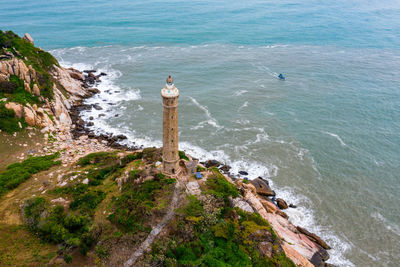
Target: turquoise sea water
328, 137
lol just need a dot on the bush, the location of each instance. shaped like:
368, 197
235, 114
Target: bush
88, 201
17, 173
54, 225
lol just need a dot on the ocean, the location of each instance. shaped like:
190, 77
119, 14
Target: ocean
328, 137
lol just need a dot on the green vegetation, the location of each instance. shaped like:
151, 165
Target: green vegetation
220, 187
14, 90
200, 169
134, 207
182, 155
8, 120
56, 226
100, 158
17, 173
208, 232
40, 60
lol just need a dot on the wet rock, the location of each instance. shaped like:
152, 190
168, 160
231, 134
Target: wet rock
292, 206
97, 107
262, 187
313, 237
94, 90
91, 118
75, 74
116, 115
225, 168
212, 163
102, 115
319, 258
89, 71
281, 203
90, 123
122, 137
243, 173
103, 74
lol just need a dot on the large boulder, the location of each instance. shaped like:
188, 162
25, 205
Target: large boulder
18, 108
241, 204
77, 75
29, 116
313, 237
262, 187
36, 90
281, 203
28, 38
212, 163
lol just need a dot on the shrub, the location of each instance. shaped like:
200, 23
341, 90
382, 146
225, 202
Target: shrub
54, 225
88, 201
17, 173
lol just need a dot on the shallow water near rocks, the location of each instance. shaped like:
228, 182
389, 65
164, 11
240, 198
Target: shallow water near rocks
327, 137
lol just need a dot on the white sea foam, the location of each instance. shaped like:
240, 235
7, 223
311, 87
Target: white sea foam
211, 120
240, 92
337, 137
245, 104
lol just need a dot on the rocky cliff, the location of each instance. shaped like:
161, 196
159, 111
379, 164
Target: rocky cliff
35, 87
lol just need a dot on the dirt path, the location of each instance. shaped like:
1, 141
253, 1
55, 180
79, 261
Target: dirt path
156, 230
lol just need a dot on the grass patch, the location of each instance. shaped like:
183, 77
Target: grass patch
20, 248
17, 173
14, 90
220, 187
8, 120
97, 158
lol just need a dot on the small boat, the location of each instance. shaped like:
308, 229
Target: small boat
280, 76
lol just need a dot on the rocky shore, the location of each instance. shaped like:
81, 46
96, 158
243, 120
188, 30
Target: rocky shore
57, 115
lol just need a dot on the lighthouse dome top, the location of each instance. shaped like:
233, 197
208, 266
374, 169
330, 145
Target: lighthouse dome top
169, 91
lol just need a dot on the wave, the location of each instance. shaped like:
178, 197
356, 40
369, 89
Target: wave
211, 120
240, 92
394, 228
337, 137
245, 104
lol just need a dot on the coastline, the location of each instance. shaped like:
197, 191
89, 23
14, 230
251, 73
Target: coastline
68, 134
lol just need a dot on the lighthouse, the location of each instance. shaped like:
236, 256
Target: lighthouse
170, 154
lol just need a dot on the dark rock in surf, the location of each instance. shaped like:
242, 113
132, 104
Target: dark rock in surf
212, 163
318, 240
281, 203
262, 187
243, 173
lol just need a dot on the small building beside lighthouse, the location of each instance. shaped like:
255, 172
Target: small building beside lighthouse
170, 153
